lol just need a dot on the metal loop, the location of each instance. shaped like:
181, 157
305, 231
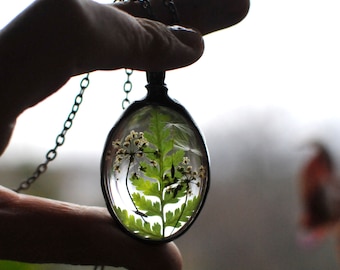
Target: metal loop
75, 107
170, 4
60, 139
125, 103
147, 6
51, 155
31, 179
172, 7
42, 168
128, 71
68, 124
127, 86
78, 99
71, 116
84, 83
24, 185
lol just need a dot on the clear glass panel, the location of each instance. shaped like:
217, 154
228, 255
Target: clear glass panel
155, 172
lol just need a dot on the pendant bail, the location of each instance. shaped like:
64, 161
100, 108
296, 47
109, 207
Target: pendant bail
155, 78
157, 90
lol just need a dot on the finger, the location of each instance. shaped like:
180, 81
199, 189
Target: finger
67, 38
6, 130
119, 40
163, 48
205, 16
57, 232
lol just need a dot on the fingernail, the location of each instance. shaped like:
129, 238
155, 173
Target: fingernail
187, 36
181, 28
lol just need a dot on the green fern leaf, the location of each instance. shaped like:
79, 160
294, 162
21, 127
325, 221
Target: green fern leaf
168, 145
138, 225
172, 218
170, 197
147, 187
158, 133
189, 208
143, 204
174, 159
160, 179
182, 214
151, 171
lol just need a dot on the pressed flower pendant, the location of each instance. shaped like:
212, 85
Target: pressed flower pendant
155, 167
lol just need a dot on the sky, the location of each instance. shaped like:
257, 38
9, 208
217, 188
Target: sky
284, 56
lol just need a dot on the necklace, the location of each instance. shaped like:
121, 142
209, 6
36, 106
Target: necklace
155, 167
155, 170
60, 139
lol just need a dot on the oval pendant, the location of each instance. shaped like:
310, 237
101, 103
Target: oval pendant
155, 167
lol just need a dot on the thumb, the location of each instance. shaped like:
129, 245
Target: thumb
165, 47
190, 40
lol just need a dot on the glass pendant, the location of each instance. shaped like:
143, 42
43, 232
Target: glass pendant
155, 167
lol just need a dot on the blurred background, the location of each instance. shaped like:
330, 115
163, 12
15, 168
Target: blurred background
262, 90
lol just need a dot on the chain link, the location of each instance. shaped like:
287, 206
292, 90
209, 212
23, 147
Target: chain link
127, 88
128, 84
60, 139
170, 4
147, 6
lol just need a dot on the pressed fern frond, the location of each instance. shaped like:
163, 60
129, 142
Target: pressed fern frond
161, 180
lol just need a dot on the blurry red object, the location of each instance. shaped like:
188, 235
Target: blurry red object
320, 195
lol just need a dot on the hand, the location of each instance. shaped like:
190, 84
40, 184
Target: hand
53, 40
205, 16
40, 50
39, 230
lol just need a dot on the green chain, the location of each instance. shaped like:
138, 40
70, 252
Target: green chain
60, 139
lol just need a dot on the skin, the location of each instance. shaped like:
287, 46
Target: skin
42, 48
206, 17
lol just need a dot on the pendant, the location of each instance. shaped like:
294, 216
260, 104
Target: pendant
155, 167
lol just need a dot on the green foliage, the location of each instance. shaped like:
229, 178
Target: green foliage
147, 187
182, 214
12, 265
137, 225
149, 208
163, 181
